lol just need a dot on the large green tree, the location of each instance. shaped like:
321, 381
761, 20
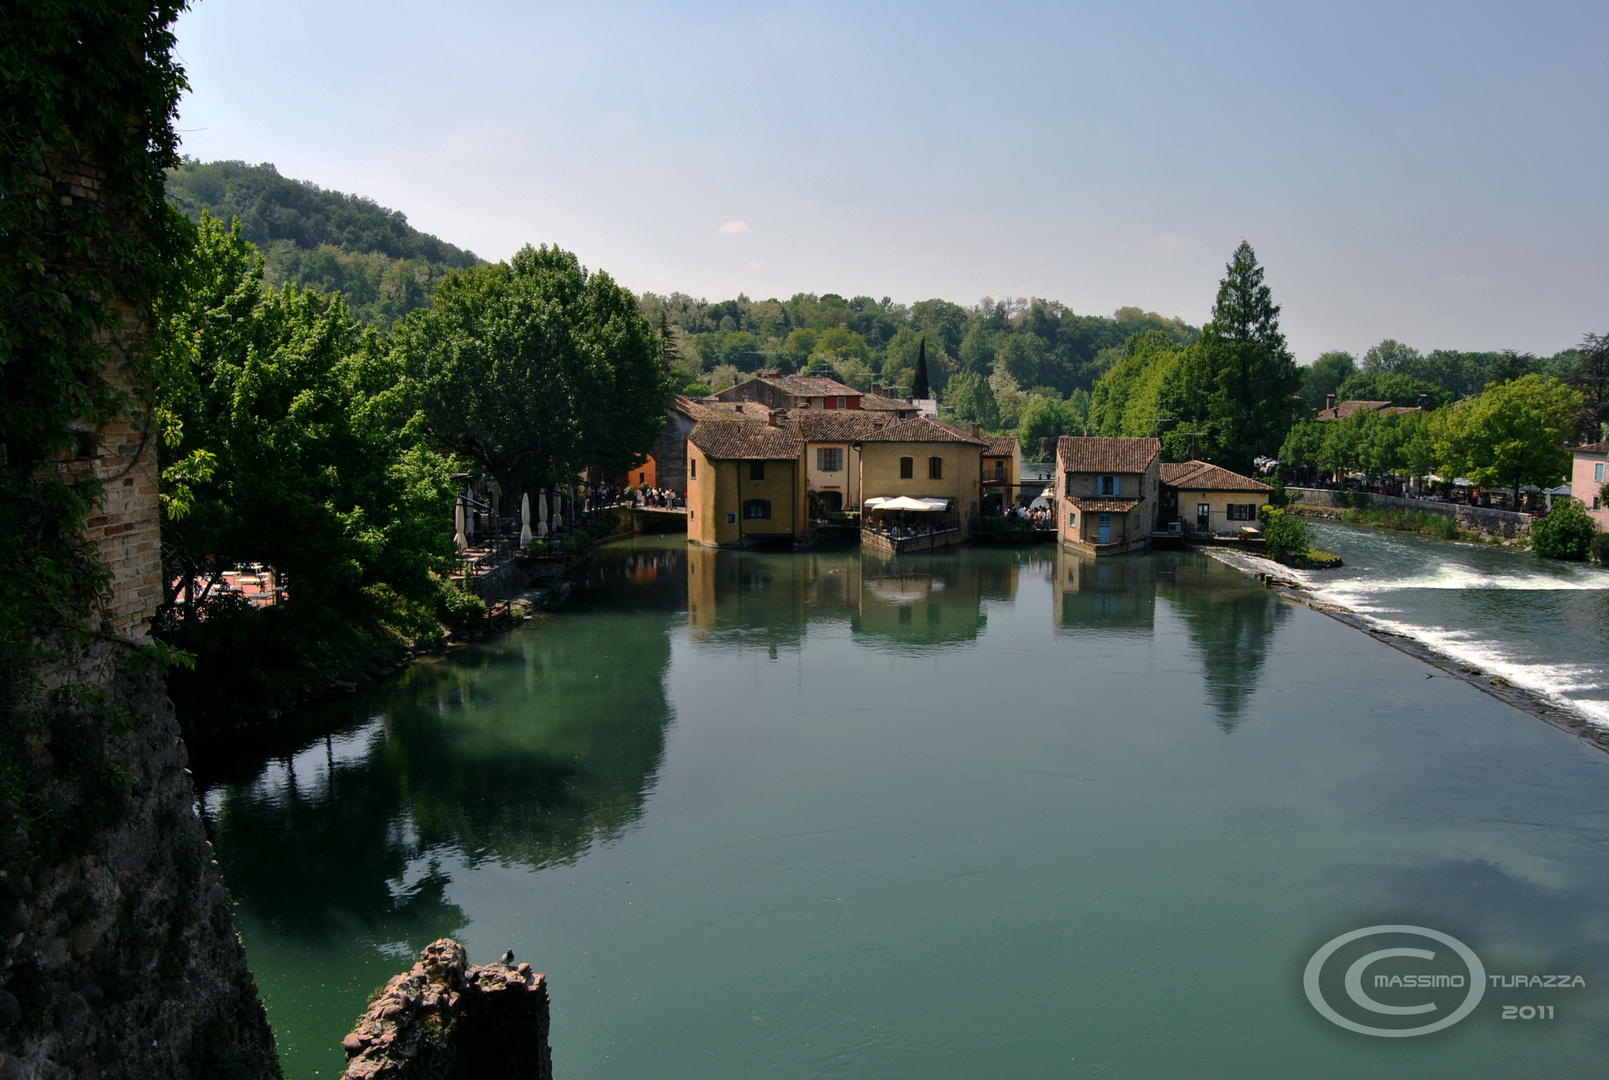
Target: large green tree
1237, 383
535, 369
1514, 434
1591, 377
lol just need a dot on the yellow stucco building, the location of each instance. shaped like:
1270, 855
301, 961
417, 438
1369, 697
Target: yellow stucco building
1209, 498
745, 483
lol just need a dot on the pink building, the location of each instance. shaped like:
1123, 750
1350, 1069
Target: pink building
1586, 483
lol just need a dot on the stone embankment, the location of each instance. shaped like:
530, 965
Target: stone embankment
1321, 502
120, 955
445, 1020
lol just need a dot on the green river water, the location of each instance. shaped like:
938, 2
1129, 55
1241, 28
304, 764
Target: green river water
994, 812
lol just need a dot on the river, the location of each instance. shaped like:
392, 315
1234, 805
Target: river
1002, 812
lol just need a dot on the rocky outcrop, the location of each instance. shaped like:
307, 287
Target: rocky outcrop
444, 1020
120, 956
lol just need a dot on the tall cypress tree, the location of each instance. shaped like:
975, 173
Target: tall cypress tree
1238, 383
919, 388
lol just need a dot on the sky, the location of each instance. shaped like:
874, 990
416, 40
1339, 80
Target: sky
1429, 173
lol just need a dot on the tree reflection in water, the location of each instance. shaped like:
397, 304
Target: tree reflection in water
1231, 622
524, 751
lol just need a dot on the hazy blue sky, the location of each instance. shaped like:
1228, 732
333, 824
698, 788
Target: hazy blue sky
1433, 173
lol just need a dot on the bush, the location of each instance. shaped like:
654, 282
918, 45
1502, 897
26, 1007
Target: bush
1566, 532
1352, 500
1600, 548
1287, 536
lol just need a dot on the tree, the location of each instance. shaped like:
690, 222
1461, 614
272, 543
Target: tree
970, 399
1591, 377
1325, 375
1392, 356
1237, 382
536, 369
1565, 532
1393, 386
919, 387
1510, 365
1286, 535
1128, 399
1513, 434
1047, 419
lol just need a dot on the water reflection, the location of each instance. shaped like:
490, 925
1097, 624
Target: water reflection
1108, 596
1230, 622
525, 751
770, 599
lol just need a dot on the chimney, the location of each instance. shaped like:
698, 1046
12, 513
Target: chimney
1329, 401
976, 429
771, 418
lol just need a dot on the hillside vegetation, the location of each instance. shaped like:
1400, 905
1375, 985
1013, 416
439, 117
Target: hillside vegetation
324, 240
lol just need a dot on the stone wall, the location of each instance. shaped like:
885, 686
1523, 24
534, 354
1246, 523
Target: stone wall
121, 958
444, 1020
1504, 523
118, 952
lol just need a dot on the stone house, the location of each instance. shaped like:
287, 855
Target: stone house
745, 483
666, 465
1002, 473
777, 391
923, 459
832, 453
1108, 493
1209, 498
1587, 478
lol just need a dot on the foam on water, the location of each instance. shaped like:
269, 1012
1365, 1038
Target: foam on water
1407, 586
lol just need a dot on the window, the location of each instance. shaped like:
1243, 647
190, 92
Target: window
1069, 490
841, 404
757, 509
999, 470
1072, 519
731, 519
907, 468
829, 459
1241, 512
1203, 515
935, 468
1108, 485
642, 478
692, 515
756, 470
692, 468
1597, 472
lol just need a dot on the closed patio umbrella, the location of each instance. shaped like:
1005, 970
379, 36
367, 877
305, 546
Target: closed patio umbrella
541, 513
526, 536
458, 526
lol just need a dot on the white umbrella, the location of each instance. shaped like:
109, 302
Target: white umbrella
542, 513
469, 516
458, 525
526, 536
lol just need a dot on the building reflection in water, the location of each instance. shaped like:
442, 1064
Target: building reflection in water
1105, 596
1229, 620
772, 599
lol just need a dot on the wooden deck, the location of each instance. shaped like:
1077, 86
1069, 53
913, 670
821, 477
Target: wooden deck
874, 540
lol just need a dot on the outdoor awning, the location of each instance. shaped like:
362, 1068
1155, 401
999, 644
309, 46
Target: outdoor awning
905, 502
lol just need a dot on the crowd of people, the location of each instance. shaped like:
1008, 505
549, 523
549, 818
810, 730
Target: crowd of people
661, 498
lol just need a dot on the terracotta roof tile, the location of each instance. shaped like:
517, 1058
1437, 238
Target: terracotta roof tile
1001, 446
921, 429
879, 403
739, 440
1106, 505
1205, 476
1093, 454
706, 409
1593, 448
835, 425
810, 386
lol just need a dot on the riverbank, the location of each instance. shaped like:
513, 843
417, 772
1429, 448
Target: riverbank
1446, 521
1535, 700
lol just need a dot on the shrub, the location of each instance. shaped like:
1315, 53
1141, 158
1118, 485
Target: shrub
1566, 532
1288, 537
1600, 548
1352, 500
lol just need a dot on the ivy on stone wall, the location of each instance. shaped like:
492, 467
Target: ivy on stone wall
88, 92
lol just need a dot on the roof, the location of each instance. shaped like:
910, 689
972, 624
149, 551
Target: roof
1347, 408
1093, 454
709, 409
879, 403
740, 440
810, 386
1104, 505
1593, 448
921, 429
1205, 476
835, 425
1002, 446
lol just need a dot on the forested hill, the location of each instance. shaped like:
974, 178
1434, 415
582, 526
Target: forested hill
324, 240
